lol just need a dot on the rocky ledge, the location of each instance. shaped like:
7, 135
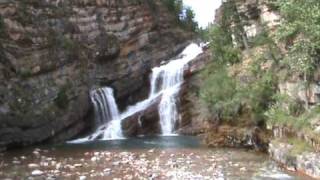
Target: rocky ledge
298, 159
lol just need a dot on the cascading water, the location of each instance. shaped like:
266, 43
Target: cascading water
107, 116
105, 105
165, 81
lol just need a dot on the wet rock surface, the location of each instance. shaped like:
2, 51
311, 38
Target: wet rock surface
193, 119
149, 163
144, 122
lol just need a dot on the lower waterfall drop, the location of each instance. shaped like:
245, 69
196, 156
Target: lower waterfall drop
105, 106
107, 116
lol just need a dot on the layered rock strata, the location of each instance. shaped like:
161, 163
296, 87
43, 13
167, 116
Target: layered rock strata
53, 52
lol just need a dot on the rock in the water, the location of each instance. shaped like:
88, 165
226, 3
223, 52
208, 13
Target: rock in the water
144, 122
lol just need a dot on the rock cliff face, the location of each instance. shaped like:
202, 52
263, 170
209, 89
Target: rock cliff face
249, 20
53, 52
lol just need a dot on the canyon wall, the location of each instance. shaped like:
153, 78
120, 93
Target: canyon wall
278, 99
53, 52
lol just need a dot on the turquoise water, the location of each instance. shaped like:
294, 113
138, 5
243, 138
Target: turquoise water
139, 143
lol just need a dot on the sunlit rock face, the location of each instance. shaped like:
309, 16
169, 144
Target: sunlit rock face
249, 18
54, 52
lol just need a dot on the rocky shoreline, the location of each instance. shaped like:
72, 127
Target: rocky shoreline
305, 162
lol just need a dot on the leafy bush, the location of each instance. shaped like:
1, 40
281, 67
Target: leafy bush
175, 6
62, 99
219, 91
184, 15
227, 95
290, 112
261, 39
221, 45
300, 30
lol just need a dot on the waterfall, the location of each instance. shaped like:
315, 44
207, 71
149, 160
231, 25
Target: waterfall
105, 105
165, 81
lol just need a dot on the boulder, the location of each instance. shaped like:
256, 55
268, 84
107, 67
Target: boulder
108, 47
144, 122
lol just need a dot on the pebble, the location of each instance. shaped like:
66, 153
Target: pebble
16, 162
58, 166
37, 173
33, 166
77, 165
243, 169
82, 177
23, 157
94, 159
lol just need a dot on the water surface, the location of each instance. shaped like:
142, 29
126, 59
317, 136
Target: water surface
177, 157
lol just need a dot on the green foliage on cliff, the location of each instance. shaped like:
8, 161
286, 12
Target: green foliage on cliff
219, 92
300, 30
230, 97
184, 15
299, 34
62, 99
291, 113
221, 45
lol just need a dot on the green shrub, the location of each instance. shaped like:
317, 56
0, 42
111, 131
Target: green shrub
299, 146
184, 16
221, 45
290, 112
62, 99
261, 39
300, 30
219, 92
